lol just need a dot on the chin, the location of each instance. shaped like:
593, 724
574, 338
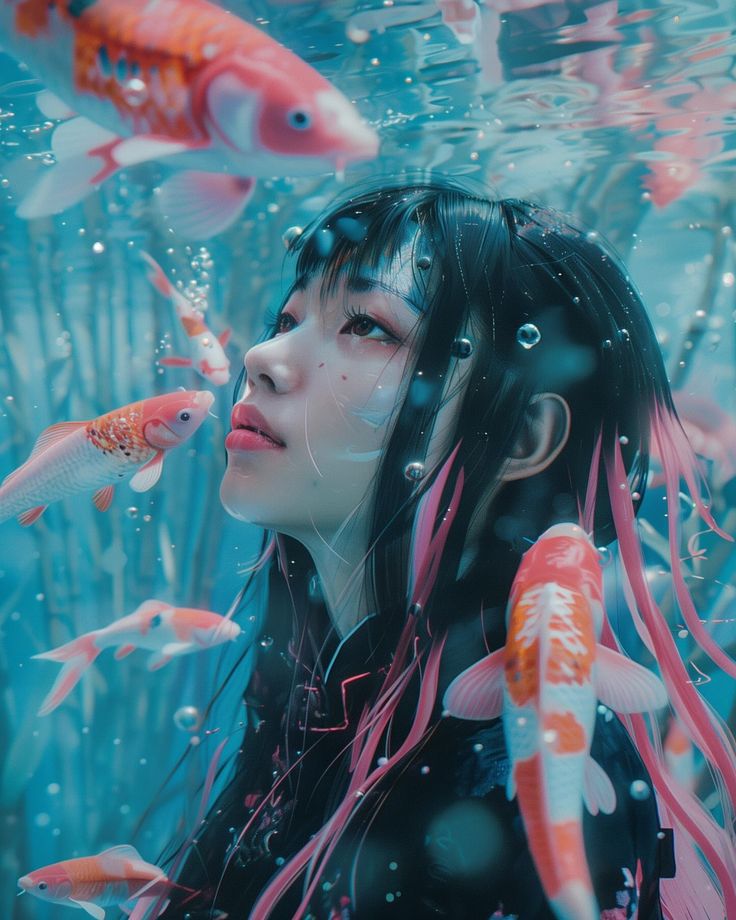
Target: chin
234, 499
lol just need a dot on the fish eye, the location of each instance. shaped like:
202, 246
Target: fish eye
299, 119
184, 416
42, 886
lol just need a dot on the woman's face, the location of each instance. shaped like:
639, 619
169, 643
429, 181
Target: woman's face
323, 391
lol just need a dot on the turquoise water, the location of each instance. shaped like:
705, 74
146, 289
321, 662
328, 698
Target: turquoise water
620, 113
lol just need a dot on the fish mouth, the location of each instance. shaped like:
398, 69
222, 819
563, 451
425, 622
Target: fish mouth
248, 418
25, 882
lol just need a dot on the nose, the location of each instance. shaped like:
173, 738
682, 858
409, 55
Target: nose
270, 366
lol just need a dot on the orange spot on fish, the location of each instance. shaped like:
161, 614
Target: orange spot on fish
569, 733
521, 666
193, 326
32, 17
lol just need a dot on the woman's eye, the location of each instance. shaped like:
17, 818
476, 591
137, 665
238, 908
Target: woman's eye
362, 325
285, 322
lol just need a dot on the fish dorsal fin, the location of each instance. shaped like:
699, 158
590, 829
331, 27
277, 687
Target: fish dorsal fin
148, 475
598, 791
150, 607
114, 860
224, 337
48, 437
625, 686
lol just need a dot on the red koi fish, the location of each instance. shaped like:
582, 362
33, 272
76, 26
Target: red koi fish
165, 630
207, 351
180, 80
108, 879
73, 457
545, 683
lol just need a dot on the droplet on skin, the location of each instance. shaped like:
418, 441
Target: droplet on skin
528, 335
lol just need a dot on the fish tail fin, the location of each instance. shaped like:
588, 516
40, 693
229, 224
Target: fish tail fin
575, 899
76, 656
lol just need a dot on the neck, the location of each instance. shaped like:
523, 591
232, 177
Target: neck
339, 561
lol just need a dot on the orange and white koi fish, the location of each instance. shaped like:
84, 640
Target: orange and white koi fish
207, 351
180, 80
73, 457
92, 883
157, 626
545, 682
679, 756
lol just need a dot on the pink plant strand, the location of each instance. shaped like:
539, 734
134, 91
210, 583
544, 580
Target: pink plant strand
692, 824
713, 740
678, 460
587, 518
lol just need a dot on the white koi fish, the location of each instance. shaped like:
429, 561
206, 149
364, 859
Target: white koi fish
545, 683
207, 351
92, 883
157, 626
126, 444
180, 80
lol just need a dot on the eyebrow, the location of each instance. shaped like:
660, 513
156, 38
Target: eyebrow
364, 285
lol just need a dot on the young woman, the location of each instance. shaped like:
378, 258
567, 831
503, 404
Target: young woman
491, 357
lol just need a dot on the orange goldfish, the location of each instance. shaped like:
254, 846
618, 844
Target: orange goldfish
207, 351
545, 683
91, 883
179, 80
165, 630
72, 457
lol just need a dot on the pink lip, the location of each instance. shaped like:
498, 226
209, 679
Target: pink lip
251, 431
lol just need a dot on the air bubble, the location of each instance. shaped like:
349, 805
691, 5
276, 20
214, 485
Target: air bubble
356, 35
266, 642
639, 790
132, 512
187, 718
528, 335
461, 348
291, 235
414, 470
98, 247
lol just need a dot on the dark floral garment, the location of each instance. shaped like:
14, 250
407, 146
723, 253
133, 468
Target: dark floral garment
439, 840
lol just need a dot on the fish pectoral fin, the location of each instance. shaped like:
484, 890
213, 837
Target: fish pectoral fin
175, 361
625, 686
202, 204
224, 337
177, 648
51, 106
157, 661
149, 474
48, 437
92, 909
477, 693
123, 651
598, 791
103, 497
31, 516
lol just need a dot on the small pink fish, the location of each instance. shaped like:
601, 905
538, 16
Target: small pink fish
157, 626
679, 756
72, 457
92, 883
207, 351
545, 683
182, 81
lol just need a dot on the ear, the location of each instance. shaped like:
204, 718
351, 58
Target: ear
545, 433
